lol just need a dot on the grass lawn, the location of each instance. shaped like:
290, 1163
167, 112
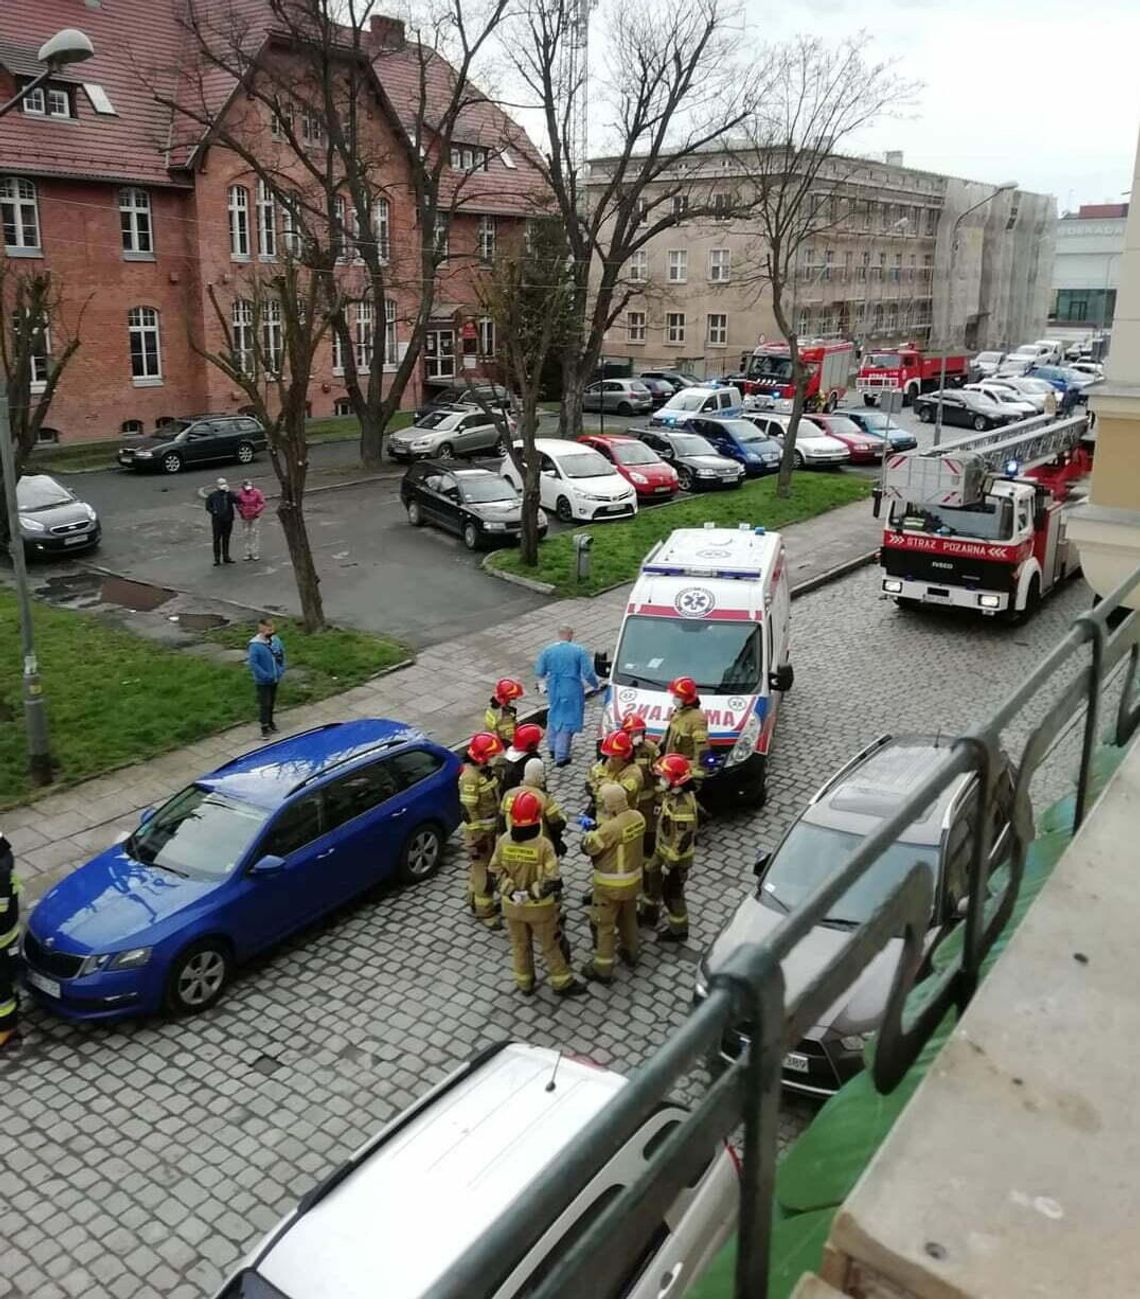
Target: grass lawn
620, 547
114, 698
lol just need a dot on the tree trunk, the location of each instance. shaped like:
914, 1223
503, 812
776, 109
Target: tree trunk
788, 459
570, 411
528, 543
305, 575
372, 438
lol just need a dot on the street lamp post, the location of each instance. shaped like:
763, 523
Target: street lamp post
68, 46
1001, 189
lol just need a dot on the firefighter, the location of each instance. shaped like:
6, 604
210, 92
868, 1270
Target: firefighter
617, 766
677, 824
524, 746
479, 807
645, 755
9, 944
615, 846
527, 867
688, 732
502, 716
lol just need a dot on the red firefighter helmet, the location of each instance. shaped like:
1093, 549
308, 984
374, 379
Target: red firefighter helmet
674, 768
617, 745
633, 724
508, 689
685, 688
526, 809
483, 747
528, 737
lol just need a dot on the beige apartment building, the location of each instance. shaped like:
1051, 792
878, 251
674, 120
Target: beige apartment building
877, 272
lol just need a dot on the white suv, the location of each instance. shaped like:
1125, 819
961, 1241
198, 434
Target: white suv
576, 483
399, 1212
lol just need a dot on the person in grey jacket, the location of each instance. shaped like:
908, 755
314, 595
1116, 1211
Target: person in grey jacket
220, 506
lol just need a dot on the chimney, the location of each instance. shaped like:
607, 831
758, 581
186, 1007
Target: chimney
385, 33
893, 158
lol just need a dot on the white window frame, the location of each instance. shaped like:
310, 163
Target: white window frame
34, 103
243, 343
382, 228
635, 327
677, 265
55, 97
292, 240
143, 324
469, 157
135, 223
639, 266
277, 122
364, 339
312, 127
485, 335
20, 216
718, 336
339, 233
441, 237
486, 239
680, 205
722, 206
720, 265
338, 350
675, 325
391, 338
40, 360
237, 204
272, 336
266, 223
437, 363
47, 101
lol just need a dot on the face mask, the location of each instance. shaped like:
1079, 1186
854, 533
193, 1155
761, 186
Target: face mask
662, 785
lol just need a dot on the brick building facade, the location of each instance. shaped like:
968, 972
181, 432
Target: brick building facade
151, 228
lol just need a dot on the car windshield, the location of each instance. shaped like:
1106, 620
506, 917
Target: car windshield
692, 444
199, 832
686, 400
837, 424
40, 494
490, 488
811, 853
633, 453
742, 430
719, 656
778, 368
874, 420
433, 419
882, 361
992, 520
987, 357
585, 464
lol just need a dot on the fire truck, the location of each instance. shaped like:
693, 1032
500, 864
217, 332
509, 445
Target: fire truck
979, 523
829, 362
907, 370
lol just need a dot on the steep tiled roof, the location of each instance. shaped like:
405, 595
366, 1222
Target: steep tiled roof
136, 44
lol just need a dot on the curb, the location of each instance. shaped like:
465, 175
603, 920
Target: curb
531, 584
810, 584
202, 492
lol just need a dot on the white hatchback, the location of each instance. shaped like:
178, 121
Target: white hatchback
393, 1219
576, 483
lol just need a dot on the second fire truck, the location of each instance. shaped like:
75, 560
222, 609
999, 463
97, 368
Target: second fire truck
980, 523
907, 370
828, 363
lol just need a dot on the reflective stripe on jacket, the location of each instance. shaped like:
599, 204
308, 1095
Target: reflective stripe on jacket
645, 755
607, 772
688, 735
616, 847
479, 800
553, 817
501, 720
525, 867
677, 827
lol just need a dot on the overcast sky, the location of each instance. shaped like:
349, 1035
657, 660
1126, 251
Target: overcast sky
1044, 92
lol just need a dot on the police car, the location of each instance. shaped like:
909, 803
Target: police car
712, 604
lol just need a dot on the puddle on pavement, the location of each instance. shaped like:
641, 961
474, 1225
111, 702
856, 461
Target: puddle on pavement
199, 621
70, 586
141, 597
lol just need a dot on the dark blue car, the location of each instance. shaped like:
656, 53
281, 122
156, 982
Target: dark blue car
738, 440
237, 861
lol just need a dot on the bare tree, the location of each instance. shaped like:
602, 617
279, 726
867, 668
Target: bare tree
35, 348
270, 333
818, 99
529, 298
670, 65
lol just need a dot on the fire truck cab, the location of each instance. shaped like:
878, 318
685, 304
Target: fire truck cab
713, 604
968, 527
827, 362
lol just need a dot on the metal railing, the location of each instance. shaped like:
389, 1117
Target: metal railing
749, 991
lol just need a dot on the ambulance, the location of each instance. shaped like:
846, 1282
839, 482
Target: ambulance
712, 604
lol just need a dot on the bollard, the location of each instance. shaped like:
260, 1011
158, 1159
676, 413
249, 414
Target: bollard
583, 543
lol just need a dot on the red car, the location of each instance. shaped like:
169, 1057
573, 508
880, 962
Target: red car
651, 478
863, 448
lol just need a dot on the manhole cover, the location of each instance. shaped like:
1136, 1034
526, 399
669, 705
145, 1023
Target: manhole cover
140, 597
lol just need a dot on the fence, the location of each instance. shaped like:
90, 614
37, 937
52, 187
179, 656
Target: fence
749, 991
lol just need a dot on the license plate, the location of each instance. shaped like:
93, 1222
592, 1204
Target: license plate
50, 986
614, 509
662, 489
796, 1063
938, 593
74, 541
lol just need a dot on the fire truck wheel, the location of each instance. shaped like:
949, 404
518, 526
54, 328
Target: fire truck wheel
868, 400
1032, 599
925, 414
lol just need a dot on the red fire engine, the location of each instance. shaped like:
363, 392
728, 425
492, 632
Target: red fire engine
828, 362
980, 522
907, 370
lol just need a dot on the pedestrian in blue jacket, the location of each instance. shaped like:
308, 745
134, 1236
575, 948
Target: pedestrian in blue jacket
267, 665
564, 671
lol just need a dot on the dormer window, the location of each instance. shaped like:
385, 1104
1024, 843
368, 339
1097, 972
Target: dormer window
48, 101
466, 157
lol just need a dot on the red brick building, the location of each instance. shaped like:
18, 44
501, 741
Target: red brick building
146, 221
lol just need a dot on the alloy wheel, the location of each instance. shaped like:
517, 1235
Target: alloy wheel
201, 978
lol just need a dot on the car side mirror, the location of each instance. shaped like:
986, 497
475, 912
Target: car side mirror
603, 665
145, 815
761, 863
782, 678
547, 473
270, 864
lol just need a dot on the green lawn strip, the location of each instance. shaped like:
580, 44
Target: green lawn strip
620, 547
114, 698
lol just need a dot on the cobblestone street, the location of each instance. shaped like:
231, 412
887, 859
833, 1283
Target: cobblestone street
145, 1158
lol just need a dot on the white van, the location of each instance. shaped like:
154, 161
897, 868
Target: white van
712, 604
576, 483
398, 1213
724, 401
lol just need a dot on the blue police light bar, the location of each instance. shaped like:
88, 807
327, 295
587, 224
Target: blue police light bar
685, 570
1012, 468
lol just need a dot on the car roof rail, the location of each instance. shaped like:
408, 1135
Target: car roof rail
300, 735
851, 764
380, 746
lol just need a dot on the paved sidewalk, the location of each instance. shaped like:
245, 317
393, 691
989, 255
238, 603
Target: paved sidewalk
444, 692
